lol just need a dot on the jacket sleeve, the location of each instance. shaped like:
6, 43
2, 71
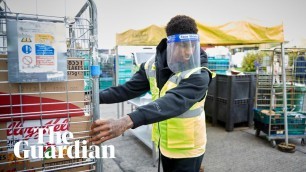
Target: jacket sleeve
135, 87
175, 102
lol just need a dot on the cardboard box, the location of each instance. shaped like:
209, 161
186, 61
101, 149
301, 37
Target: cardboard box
26, 106
66, 165
45, 100
12, 132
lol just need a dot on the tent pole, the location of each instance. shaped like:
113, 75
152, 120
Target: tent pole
117, 78
284, 92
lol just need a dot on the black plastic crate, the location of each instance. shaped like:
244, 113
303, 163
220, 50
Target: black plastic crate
232, 113
233, 86
212, 87
232, 100
209, 103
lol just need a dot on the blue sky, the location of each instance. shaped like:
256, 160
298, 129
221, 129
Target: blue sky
115, 16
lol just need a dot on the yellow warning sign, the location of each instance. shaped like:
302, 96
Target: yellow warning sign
26, 40
44, 39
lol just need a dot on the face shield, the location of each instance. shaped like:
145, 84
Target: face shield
183, 52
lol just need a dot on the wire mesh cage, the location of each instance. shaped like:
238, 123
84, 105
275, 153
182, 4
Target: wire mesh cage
63, 105
269, 115
269, 92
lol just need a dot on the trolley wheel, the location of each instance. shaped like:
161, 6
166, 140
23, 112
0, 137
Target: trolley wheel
302, 142
273, 143
257, 132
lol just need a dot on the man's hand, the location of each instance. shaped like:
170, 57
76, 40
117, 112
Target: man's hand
102, 130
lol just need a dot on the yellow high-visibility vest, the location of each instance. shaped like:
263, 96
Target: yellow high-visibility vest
185, 135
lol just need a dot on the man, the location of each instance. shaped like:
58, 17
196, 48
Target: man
178, 80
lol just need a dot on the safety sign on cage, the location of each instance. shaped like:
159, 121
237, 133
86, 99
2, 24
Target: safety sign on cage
41, 51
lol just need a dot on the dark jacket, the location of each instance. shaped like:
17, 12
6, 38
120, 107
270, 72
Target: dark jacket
176, 101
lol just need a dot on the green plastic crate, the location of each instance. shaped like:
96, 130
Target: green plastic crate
106, 83
292, 117
123, 80
296, 129
295, 96
125, 62
87, 84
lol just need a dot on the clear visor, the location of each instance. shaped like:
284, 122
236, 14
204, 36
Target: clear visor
183, 52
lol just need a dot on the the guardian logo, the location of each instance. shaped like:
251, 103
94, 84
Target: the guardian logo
60, 145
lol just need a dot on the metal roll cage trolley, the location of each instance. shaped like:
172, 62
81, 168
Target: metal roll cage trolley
280, 97
78, 92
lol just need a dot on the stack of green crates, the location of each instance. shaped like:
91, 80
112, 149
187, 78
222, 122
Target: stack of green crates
125, 70
296, 122
87, 76
220, 66
106, 79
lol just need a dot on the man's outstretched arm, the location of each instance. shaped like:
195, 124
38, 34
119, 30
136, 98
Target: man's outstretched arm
105, 129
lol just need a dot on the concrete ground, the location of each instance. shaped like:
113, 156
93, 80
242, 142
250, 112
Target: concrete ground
236, 151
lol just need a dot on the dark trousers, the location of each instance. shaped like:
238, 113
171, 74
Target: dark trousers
182, 164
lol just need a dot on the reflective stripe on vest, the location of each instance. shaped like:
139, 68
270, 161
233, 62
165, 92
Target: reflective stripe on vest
185, 135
